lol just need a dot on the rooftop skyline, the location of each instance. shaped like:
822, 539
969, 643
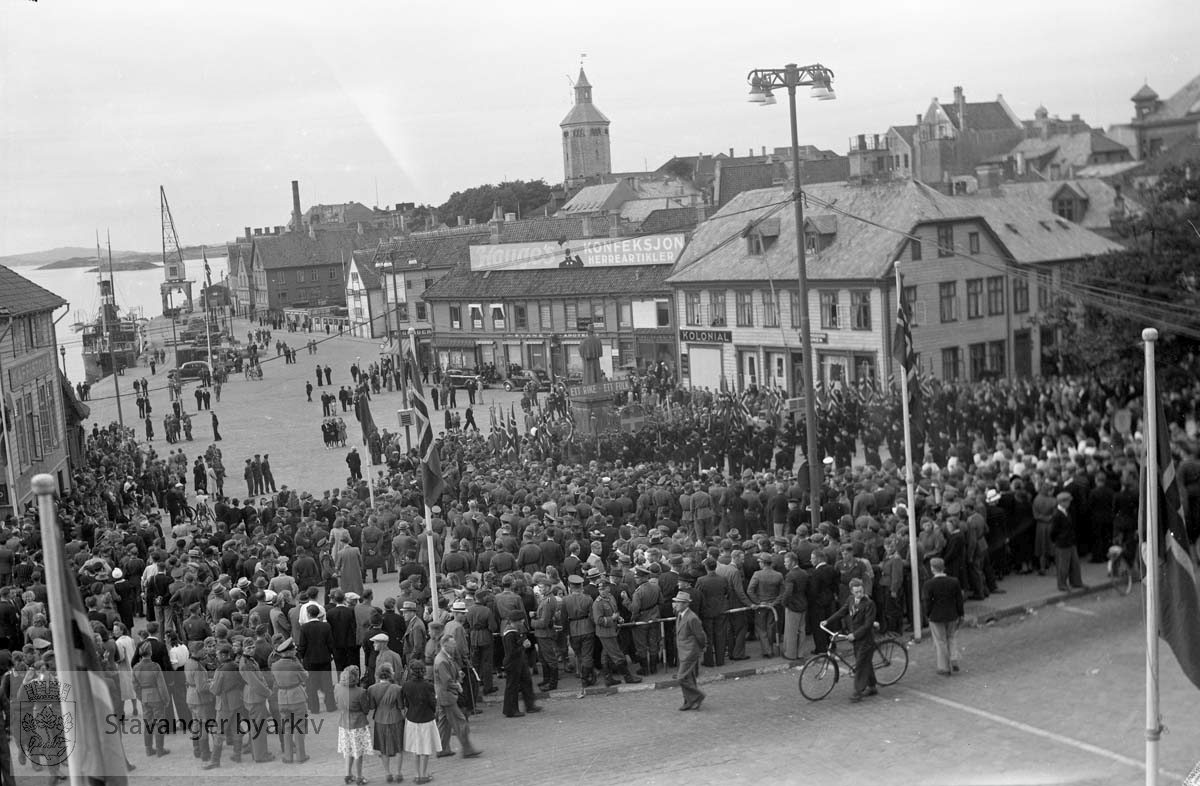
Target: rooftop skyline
224, 104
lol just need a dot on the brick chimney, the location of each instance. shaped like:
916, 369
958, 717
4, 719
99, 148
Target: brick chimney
961, 104
296, 222
249, 234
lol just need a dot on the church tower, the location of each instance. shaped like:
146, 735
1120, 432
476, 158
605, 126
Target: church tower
585, 137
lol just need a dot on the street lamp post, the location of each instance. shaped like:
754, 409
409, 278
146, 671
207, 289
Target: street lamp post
763, 81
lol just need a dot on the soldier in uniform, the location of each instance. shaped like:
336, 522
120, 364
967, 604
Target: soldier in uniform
546, 622
607, 619
577, 608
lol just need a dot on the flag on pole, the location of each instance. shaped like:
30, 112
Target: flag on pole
207, 270
362, 411
1179, 587
906, 356
432, 484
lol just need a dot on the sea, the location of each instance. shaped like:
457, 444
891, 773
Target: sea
136, 291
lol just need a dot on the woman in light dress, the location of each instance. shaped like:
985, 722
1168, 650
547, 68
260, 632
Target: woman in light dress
126, 649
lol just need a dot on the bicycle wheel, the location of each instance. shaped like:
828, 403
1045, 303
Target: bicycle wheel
890, 661
817, 677
1122, 577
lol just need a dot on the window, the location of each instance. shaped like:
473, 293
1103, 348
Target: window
908, 296
354, 277
33, 429
829, 309
283, 295
48, 417
995, 295
498, 320
950, 361
996, 357
915, 245
598, 316
476, 310
428, 283
625, 350
299, 276
422, 315
358, 313
794, 304
945, 240
625, 313
1045, 280
860, 308
662, 310
974, 298
948, 301
716, 307
906, 160
770, 309
811, 243
456, 317
572, 316
544, 316
745, 309
520, 317
692, 311
333, 274
973, 242
1065, 208
1020, 295
408, 283
402, 311
754, 244
978, 360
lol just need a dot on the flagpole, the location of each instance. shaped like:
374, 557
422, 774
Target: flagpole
207, 308
909, 482
370, 473
44, 486
1150, 402
435, 607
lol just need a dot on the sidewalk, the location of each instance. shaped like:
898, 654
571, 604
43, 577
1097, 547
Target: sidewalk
1021, 595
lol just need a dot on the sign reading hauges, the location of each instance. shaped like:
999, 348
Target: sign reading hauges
593, 252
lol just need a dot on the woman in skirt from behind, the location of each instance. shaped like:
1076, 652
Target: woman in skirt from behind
385, 697
354, 734
420, 711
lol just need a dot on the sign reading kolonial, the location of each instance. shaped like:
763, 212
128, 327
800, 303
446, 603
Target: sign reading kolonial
594, 252
706, 336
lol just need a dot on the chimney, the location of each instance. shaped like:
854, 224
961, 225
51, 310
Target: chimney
614, 223
510, 217
918, 118
585, 226
296, 221
460, 221
403, 224
961, 103
731, 152
358, 225
1075, 118
257, 231
249, 234
471, 222
751, 153
312, 232
764, 147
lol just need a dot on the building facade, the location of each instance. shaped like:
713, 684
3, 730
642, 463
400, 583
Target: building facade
31, 391
976, 272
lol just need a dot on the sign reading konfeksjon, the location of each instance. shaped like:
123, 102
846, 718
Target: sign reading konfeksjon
594, 252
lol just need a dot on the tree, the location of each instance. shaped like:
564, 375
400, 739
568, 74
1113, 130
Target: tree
1154, 282
515, 196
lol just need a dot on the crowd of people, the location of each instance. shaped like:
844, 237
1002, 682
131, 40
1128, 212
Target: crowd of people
585, 558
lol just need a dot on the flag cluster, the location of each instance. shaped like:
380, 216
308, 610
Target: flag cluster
1180, 589
432, 484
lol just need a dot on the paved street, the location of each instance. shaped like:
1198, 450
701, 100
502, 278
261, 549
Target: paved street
272, 415
1054, 698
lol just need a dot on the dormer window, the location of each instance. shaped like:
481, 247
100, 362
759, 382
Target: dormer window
1064, 207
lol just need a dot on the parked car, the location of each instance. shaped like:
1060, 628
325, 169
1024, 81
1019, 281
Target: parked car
518, 378
457, 377
193, 369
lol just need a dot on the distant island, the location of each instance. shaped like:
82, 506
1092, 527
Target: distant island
129, 263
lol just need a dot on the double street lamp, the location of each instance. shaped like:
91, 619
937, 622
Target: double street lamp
763, 83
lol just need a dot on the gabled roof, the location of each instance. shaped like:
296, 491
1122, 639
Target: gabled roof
907, 133
1185, 102
671, 220
462, 283
1075, 150
529, 230
636, 210
19, 295
734, 178
298, 249
981, 116
366, 271
599, 198
865, 251
1100, 198
1145, 93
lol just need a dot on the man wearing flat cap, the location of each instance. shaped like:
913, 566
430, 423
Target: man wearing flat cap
1066, 551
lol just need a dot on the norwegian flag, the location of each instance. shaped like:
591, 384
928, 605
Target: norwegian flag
902, 350
432, 484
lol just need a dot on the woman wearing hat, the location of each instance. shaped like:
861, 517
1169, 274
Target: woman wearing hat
354, 734
420, 711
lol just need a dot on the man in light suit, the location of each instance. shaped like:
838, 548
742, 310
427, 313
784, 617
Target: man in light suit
448, 686
690, 642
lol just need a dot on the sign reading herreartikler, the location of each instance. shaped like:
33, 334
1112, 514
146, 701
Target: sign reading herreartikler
595, 252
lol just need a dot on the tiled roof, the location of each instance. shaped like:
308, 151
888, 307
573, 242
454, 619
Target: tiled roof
636, 210
1144, 93
462, 283
1100, 198
19, 295
366, 270
435, 250
733, 179
907, 133
596, 199
1074, 150
531, 230
1184, 103
825, 170
863, 251
981, 116
584, 113
670, 220
297, 249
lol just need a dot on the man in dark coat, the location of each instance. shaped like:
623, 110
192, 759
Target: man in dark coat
712, 591
344, 628
822, 594
1066, 553
859, 615
942, 599
314, 646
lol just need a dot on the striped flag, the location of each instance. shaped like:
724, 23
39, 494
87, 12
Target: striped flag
514, 436
432, 484
906, 356
1180, 587
362, 411
78, 667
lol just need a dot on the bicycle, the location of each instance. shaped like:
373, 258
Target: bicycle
821, 672
1119, 570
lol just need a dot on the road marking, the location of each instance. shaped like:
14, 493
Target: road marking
1049, 735
1076, 610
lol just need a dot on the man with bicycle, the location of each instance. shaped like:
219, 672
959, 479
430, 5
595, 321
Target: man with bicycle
858, 614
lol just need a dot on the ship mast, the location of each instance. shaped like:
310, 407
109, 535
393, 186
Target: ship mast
112, 355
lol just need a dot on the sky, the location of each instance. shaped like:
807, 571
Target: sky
225, 103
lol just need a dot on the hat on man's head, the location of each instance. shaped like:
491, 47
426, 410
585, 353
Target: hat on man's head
682, 597
117, 573
458, 606
380, 637
351, 596
409, 605
575, 580
285, 645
